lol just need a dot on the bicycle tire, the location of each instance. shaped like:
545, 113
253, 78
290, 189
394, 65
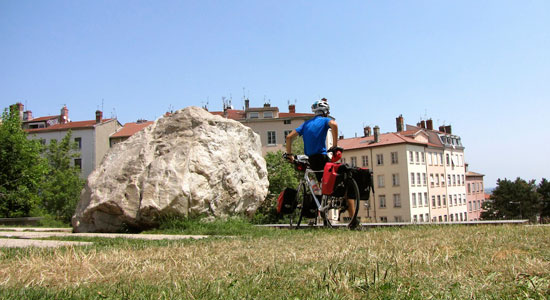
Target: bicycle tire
296, 216
351, 187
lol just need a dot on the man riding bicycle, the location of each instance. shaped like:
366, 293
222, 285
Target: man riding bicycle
314, 133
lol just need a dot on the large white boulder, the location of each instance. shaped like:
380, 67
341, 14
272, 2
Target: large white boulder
188, 163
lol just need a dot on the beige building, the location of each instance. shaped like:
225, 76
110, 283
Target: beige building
272, 125
418, 173
92, 136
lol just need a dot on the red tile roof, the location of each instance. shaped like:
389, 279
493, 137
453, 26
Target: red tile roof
130, 129
41, 119
384, 140
470, 173
67, 126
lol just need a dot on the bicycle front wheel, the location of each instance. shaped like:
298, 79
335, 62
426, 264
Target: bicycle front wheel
296, 215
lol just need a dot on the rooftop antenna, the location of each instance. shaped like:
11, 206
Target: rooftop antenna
170, 108
113, 114
101, 104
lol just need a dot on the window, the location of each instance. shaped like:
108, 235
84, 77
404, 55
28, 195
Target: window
396, 200
381, 181
78, 163
379, 159
427, 217
465, 216
419, 199
463, 182
354, 161
437, 179
440, 218
411, 157
423, 156
440, 159
442, 180
432, 180
412, 179
365, 160
394, 158
445, 218
395, 179
271, 138
454, 179
449, 179
459, 199
421, 218
413, 199
438, 200
418, 182
384, 219
469, 206
417, 157
382, 201
424, 179
253, 115
268, 115
286, 132
415, 219
78, 142
444, 200
448, 159
468, 189
426, 199
398, 219
286, 122
433, 201
452, 218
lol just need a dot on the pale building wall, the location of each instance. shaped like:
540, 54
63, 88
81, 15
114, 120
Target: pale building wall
102, 133
454, 169
437, 191
263, 126
86, 152
475, 196
418, 187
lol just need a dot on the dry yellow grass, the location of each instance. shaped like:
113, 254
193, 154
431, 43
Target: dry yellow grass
464, 260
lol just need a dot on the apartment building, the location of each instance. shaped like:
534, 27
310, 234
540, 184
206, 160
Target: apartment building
475, 195
418, 173
272, 125
91, 136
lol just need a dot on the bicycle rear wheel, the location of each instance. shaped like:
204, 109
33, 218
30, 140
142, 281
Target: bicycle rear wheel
340, 205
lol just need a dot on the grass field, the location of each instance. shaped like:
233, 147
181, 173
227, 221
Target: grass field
441, 262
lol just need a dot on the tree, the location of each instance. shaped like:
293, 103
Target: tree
61, 190
281, 175
21, 168
544, 191
513, 200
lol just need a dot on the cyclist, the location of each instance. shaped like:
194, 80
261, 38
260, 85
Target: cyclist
314, 133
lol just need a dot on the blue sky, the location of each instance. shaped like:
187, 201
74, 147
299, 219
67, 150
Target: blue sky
481, 66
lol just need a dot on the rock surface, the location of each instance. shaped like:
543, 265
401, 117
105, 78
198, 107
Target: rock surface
188, 163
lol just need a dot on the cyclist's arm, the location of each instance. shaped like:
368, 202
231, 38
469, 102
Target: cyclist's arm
289, 138
334, 128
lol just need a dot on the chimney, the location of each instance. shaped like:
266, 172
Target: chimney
442, 128
27, 116
98, 116
376, 134
292, 108
430, 124
448, 129
246, 104
19, 107
400, 123
341, 137
367, 131
422, 124
64, 117
267, 105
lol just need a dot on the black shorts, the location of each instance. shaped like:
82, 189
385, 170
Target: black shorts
317, 162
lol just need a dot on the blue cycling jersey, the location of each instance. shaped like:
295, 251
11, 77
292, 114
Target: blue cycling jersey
314, 133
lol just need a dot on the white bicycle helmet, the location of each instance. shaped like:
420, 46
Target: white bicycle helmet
320, 107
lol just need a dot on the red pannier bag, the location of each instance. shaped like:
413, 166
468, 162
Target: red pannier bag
330, 176
286, 202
